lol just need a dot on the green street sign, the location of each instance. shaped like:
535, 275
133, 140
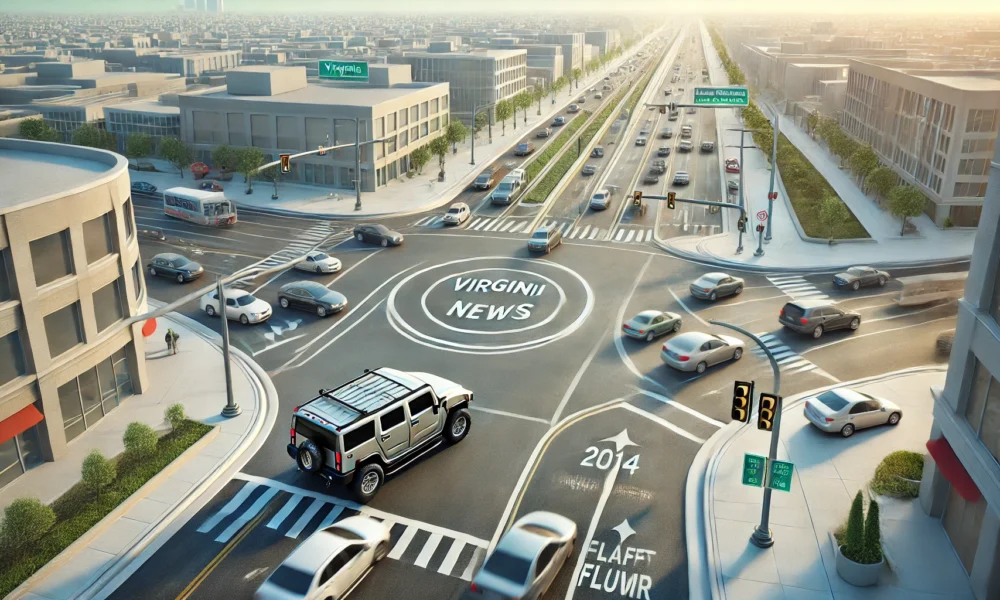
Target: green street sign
343, 70
721, 96
780, 477
753, 470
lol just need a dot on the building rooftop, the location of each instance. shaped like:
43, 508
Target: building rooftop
148, 107
34, 171
477, 53
340, 94
972, 84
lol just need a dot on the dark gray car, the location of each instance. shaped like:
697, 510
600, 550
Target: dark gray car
311, 296
856, 277
712, 286
175, 266
377, 234
814, 317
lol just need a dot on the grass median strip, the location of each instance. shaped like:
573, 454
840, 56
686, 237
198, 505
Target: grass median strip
544, 187
79, 509
535, 166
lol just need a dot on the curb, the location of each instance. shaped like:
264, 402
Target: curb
706, 582
133, 557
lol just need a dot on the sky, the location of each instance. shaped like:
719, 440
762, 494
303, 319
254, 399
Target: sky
909, 7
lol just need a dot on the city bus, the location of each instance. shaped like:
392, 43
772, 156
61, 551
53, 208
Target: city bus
924, 289
199, 206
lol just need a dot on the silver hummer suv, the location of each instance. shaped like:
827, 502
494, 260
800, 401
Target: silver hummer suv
375, 425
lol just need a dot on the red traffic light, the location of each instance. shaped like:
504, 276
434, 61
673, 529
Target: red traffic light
772, 196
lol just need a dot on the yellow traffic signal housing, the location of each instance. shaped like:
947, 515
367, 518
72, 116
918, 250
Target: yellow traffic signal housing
670, 200
286, 163
637, 197
663, 110
742, 401
769, 407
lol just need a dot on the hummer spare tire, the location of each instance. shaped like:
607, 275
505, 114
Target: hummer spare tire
310, 457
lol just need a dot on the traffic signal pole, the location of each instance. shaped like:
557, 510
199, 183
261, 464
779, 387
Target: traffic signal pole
741, 224
762, 533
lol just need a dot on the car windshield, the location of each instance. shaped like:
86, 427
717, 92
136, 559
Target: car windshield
856, 271
599, 196
382, 229
293, 580
454, 210
511, 568
316, 290
832, 400
320, 256
483, 177
539, 235
245, 300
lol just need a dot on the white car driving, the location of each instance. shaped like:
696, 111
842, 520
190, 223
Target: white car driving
240, 306
330, 563
319, 262
457, 214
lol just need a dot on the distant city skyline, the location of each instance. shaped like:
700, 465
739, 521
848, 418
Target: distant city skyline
903, 7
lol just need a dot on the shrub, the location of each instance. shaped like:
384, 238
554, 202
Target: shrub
98, 472
854, 548
892, 474
948, 223
25, 521
139, 439
174, 414
872, 550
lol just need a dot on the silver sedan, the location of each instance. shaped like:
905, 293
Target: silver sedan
696, 351
845, 410
712, 286
319, 262
651, 323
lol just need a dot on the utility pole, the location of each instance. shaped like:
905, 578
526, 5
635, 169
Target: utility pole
475, 112
774, 169
357, 163
231, 409
739, 249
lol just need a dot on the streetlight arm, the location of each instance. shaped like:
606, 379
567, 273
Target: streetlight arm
767, 351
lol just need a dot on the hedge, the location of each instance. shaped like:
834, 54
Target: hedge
541, 191
892, 473
79, 509
543, 158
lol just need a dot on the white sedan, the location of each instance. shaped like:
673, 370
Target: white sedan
240, 305
696, 351
457, 214
330, 563
319, 262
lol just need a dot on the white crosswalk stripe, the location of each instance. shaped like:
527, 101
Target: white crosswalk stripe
303, 512
788, 361
302, 243
629, 235
797, 287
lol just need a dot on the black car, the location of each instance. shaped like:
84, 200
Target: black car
377, 234
143, 188
597, 152
311, 296
175, 266
651, 178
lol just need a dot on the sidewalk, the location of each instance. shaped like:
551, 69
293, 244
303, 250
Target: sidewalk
828, 472
402, 196
788, 250
193, 377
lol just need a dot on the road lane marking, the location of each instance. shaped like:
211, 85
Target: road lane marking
507, 225
594, 233
307, 516
864, 335
579, 374
631, 234
508, 414
686, 309
331, 517
221, 556
517, 227
908, 314
602, 501
341, 274
247, 516
404, 542
663, 422
452, 557
474, 563
286, 510
227, 510
680, 406
586, 230
618, 236
428, 550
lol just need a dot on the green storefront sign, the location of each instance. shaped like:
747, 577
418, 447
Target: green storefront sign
754, 467
780, 477
343, 70
721, 96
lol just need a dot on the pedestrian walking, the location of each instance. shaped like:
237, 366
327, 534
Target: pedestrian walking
171, 339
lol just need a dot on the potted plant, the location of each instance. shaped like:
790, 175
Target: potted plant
860, 559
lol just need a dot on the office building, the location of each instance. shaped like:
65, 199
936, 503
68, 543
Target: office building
277, 111
961, 480
154, 119
572, 48
606, 40
70, 275
475, 79
936, 129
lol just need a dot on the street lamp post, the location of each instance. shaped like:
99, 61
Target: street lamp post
231, 409
774, 169
475, 112
739, 249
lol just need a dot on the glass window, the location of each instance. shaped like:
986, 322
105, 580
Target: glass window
137, 279
122, 376
989, 429
977, 395
362, 434
97, 237
90, 394
106, 378
507, 566
129, 223
420, 404
30, 443
414, 115
293, 580
51, 257
10, 465
63, 329
108, 307
962, 522
392, 418
72, 409
5, 292
11, 357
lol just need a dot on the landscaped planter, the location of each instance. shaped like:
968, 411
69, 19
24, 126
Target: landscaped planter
857, 574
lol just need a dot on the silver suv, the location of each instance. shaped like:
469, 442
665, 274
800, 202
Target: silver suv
375, 425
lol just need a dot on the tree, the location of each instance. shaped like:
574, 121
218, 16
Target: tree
249, 160
538, 94
577, 74
176, 153
92, 137
139, 440
175, 415
25, 521
906, 201
420, 157
812, 120
456, 133
225, 158
138, 145
881, 181
872, 544
854, 546
481, 121
523, 101
503, 111
271, 174
439, 148
833, 214
98, 472
38, 130
863, 162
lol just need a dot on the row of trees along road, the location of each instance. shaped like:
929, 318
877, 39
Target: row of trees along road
903, 200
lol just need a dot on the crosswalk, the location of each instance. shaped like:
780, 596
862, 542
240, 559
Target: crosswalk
299, 245
788, 361
521, 225
797, 287
303, 512
694, 229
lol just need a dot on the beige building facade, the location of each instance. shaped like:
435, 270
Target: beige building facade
70, 275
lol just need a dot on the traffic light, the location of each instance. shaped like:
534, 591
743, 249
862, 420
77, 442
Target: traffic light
637, 197
742, 401
673, 106
322, 152
741, 224
670, 200
286, 163
769, 407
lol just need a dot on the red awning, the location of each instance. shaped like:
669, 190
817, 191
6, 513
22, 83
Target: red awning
19, 422
952, 469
